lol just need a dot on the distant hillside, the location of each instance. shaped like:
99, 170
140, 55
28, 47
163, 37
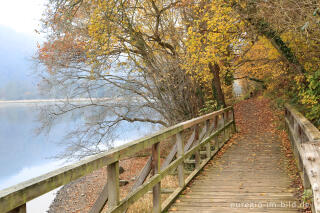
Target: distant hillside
16, 79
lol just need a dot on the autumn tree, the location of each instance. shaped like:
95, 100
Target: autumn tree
292, 28
162, 60
130, 50
297, 23
216, 39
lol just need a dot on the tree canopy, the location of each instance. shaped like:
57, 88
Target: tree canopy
167, 59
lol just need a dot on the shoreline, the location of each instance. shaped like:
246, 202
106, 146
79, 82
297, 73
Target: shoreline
55, 100
81, 194
71, 100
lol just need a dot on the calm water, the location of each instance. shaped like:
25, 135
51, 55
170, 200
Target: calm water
20, 149
24, 154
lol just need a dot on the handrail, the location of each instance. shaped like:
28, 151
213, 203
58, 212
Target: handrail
15, 197
311, 132
305, 140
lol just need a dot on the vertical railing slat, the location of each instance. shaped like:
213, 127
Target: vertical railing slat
208, 145
113, 184
20, 209
224, 123
197, 153
227, 129
234, 121
216, 139
180, 152
156, 170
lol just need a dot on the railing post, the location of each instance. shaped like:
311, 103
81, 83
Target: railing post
286, 116
20, 209
234, 121
216, 139
296, 130
180, 153
297, 142
197, 153
208, 146
113, 184
305, 181
223, 125
227, 118
156, 170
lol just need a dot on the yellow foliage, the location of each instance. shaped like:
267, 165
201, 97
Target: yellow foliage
214, 33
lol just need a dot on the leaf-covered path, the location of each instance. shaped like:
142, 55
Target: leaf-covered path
254, 171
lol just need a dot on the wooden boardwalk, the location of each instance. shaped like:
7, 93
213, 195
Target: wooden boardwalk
254, 171
251, 176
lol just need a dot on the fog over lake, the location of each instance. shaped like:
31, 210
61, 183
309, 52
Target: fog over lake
24, 154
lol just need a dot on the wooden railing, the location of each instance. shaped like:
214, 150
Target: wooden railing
305, 140
217, 128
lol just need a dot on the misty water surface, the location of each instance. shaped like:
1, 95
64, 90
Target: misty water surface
24, 155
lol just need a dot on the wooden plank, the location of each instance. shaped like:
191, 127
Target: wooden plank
224, 121
20, 209
113, 184
216, 139
310, 155
141, 190
180, 153
173, 151
203, 118
21, 193
309, 129
208, 145
197, 152
156, 191
292, 134
143, 174
307, 153
234, 119
233, 178
166, 204
189, 143
206, 140
101, 200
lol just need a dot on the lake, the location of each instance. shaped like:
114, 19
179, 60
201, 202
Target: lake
24, 154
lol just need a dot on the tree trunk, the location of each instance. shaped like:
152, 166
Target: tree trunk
264, 28
216, 85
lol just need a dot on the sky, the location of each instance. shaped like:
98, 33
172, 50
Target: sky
21, 15
18, 44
